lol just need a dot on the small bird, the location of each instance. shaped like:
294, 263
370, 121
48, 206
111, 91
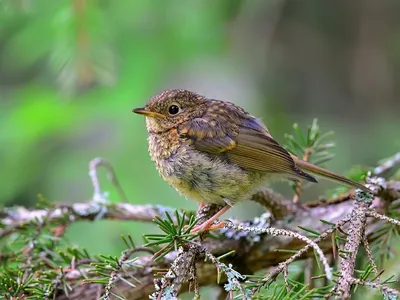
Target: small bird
213, 151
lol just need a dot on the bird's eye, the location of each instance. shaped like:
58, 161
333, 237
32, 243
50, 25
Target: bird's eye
173, 109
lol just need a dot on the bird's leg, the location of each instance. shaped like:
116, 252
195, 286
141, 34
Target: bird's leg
207, 225
201, 206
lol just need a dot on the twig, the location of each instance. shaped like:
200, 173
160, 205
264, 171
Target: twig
389, 164
335, 200
279, 206
232, 275
93, 165
374, 214
383, 288
354, 238
285, 277
283, 232
179, 272
123, 258
369, 254
277, 270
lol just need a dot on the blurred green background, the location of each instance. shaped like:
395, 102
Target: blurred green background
71, 71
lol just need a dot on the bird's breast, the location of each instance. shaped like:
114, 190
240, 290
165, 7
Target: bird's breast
163, 148
198, 175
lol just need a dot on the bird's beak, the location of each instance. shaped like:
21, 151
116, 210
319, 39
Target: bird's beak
147, 113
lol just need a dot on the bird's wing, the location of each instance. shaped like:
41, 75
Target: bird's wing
248, 145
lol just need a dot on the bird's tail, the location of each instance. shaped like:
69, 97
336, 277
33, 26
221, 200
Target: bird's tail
306, 166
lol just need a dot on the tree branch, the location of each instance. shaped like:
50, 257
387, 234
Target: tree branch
253, 251
251, 255
357, 223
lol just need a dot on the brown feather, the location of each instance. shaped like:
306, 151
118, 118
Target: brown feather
250, 149
260, 152
328, 174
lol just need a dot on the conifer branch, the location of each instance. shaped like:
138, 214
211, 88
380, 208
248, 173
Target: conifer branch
356, 231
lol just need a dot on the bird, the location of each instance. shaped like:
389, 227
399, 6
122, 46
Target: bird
213, 151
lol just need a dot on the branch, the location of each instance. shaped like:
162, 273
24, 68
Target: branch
384, 289
181, 267
16, 217
388, 165
253, 251
358, 221
251, 254
279, 206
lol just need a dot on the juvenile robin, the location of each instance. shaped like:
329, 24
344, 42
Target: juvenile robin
213, 151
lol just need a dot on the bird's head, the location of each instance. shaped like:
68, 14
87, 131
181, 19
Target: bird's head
170, 108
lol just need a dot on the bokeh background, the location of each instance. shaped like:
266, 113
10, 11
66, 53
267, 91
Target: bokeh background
71, 71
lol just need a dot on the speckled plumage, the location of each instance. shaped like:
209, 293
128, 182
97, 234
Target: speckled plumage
213, 151
196, 175
189, 150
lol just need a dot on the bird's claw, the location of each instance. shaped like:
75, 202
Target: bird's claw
207, 227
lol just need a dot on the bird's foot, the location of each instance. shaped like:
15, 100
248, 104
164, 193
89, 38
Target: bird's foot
207, 226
